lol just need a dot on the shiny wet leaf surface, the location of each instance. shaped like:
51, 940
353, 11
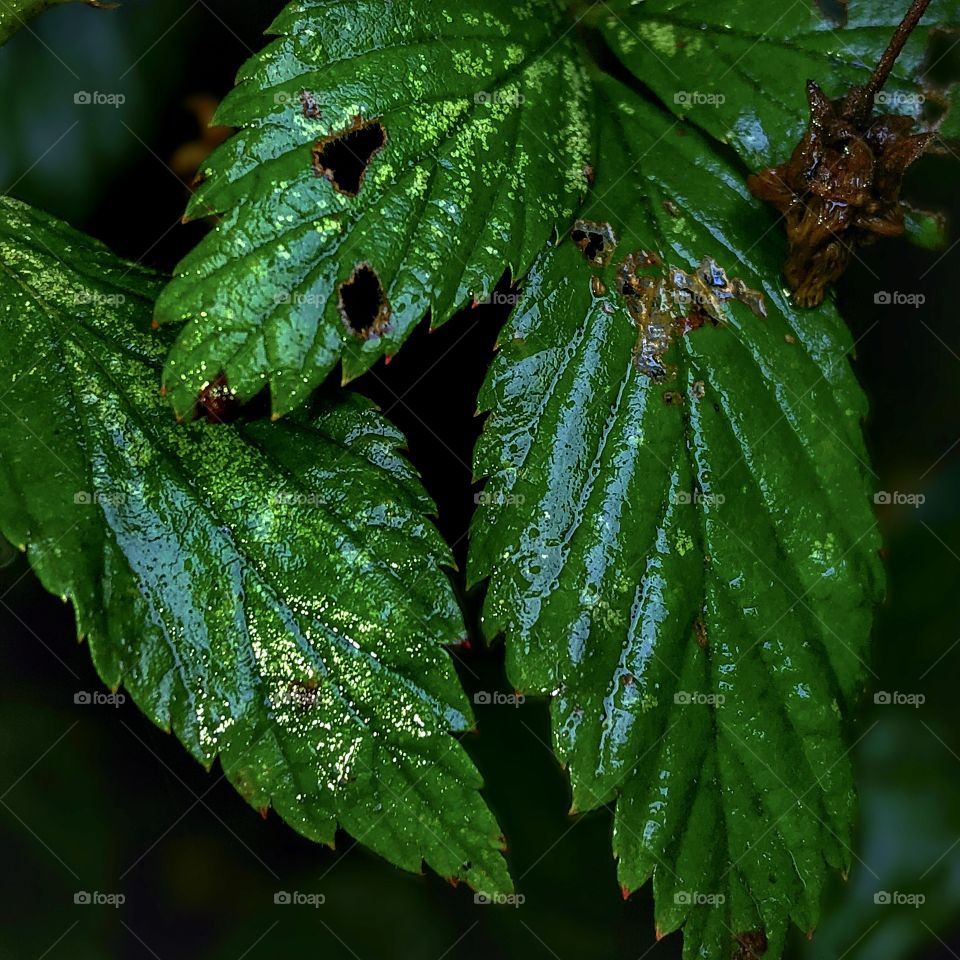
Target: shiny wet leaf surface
738, 70
436, 143
271, 593
685, 558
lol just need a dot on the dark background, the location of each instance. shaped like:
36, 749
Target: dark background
95, 798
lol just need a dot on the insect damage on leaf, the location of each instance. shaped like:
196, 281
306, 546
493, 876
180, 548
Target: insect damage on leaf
841, 186
343, 157
596, 241
217, 402
670, 306
363, 304
308, 104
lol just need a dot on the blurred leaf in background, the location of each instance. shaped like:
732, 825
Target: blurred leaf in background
62, 148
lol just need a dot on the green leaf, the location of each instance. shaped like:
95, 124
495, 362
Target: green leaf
948, 126
14, 14
273, 593
481, 112
688, 567
738, 69
925, 229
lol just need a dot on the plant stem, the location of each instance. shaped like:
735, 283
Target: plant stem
879, 76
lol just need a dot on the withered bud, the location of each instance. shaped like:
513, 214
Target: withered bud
841, 187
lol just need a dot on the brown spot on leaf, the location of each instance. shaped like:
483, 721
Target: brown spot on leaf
303, 693
588, 173
343, 157
597, 241
363, 304
672, 398
597, 287
666, 307
309, 106
671, 208
217, 401
750, 946
243, 783
700, 632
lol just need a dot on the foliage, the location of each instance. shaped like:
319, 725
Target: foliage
676, 526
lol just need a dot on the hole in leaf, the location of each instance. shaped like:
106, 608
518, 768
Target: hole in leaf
363, 303
596, 241
217, 402
343, 157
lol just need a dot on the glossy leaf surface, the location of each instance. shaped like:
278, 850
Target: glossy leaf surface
465, 140
688, 567
272, 593
738, 70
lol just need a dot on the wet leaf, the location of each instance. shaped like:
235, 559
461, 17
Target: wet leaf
949, 125
738, 70
685, 558
925, 229
434, 143
273, 593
